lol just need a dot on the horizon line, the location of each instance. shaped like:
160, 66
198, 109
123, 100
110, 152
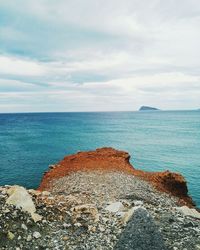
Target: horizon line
103, 111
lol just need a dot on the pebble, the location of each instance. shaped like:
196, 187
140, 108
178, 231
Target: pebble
29, 238
11, 236
24, 226
66, 225
138, 203
36, 235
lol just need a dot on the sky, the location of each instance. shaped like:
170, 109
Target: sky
75, 55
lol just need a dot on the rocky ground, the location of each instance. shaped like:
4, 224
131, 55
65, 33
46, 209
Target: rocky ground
96, 210
98, 200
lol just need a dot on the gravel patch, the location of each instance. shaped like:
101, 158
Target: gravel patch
74, 215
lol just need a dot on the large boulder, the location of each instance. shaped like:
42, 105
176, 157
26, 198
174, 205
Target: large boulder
140, 233
115, 207
19, 197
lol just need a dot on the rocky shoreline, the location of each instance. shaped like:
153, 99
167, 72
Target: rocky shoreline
97, 200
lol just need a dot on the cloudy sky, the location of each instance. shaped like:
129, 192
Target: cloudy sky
96, 55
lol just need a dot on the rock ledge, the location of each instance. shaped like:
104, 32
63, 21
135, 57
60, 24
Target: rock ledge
112, 160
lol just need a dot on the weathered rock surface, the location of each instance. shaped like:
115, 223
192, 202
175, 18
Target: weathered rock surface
115, 207
74, 214
172, 183
19, 197
141, 233
109, 160
99, 201
105, 159
189, 212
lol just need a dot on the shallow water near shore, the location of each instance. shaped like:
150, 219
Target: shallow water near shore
156, 140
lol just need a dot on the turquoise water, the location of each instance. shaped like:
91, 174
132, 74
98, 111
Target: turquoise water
156, 140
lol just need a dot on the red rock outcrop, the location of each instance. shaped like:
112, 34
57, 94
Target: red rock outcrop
109, 159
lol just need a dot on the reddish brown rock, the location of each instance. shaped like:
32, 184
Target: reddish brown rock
109, 159
172, 183
105, 159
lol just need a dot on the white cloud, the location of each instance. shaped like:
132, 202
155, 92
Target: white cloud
100, 55
166, 91
16, 66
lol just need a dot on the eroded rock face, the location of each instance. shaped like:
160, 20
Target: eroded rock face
109, 160
172, 183
105, 159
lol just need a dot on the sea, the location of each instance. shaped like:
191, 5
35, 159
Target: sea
156, 141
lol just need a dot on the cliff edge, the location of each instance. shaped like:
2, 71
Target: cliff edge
112, 160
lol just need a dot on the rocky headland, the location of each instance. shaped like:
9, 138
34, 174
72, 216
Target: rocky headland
98, 200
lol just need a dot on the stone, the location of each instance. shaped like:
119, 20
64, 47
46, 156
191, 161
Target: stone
189, 224
4, 191
91, 229
101, 228
29, 238
36, 235
126, 217
52, 166
140, 233
191, 212
65, 238
36, 217
11, 236
115, 207
120, 214
45, 193
85, 212
6, 211
34, 192
66, 225
77, 224
138, 203
19, 197
24, 226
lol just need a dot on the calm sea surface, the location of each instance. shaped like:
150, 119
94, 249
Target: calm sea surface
156, 140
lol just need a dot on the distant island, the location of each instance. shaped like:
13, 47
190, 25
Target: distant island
147, 108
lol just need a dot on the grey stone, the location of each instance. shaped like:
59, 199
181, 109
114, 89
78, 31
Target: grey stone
29, 238
138, 203
191, 212
36, 235
115, 207
141, 233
